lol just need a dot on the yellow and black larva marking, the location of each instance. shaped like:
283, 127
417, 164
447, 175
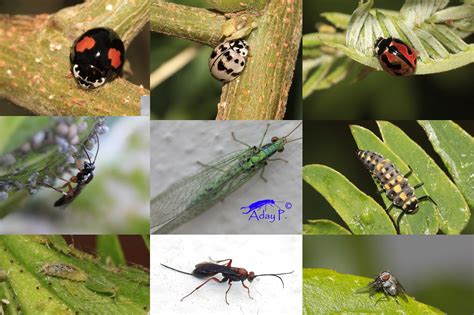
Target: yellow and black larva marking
393, 183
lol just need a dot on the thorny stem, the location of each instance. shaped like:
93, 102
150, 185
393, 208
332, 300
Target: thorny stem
34, 59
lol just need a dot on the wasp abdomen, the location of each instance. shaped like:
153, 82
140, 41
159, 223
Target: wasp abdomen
393, 183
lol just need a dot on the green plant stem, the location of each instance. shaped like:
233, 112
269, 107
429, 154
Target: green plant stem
196, 24
34, 59
261, 92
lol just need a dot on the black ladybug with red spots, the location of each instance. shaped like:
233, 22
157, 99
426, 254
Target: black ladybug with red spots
97, 56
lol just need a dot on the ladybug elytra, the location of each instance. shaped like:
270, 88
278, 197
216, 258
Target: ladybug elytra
97, 56
395, 56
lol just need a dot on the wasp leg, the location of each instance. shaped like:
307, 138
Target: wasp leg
423, 198
213, 278
58, 190
228, 289
228, 264
248, 290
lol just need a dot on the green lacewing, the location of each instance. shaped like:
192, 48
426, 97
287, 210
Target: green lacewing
213, 181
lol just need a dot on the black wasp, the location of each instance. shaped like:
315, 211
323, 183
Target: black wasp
386, 283
229, 273
82, 178
393, 183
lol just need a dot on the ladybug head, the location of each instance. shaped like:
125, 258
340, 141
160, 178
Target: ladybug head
381, 44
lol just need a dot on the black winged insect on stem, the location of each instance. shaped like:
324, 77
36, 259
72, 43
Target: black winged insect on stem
229, 273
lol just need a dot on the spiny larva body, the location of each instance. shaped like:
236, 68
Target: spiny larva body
228, 60
393, 183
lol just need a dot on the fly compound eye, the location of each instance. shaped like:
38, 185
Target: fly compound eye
385, 277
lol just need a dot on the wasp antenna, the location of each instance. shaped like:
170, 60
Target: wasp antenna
275, 275
186, 273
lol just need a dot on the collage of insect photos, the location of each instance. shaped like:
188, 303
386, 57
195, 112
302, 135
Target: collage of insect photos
271, 157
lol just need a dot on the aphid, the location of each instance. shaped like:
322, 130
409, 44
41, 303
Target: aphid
64, 271
393, 183
229, 273
192, 195
386, 283
82, 178
228, 60
395, 56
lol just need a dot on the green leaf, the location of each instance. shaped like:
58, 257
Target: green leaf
425, 220
360, 212
109, 246
35, 292
330, 292
456, 148
452, 209
324, 227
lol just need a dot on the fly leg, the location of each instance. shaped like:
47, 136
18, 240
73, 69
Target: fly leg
213, 279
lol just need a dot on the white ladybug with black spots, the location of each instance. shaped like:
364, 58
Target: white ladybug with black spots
228, 60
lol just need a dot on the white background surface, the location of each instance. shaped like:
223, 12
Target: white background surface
258, 253
176, 146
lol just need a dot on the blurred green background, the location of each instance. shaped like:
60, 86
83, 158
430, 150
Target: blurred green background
436, 270
136, 68
382, 96
192, 93
331, 143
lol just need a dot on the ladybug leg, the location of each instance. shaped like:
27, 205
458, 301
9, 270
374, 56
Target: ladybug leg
418, 185
409, 173
397, 226
423, 198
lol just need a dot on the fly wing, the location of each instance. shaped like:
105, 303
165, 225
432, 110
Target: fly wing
190, 196
401, 291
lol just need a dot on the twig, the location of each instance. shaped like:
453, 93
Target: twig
34, 59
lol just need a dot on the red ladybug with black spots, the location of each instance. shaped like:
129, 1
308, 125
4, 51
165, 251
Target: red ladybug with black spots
97, 56
395, 56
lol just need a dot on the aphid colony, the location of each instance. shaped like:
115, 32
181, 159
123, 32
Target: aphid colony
393, 183
228, 60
